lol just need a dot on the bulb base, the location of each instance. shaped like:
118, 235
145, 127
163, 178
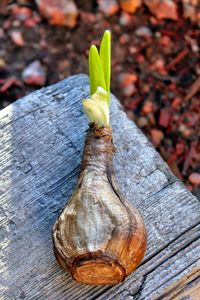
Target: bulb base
97, 268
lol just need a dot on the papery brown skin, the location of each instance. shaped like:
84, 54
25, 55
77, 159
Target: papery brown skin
99, 237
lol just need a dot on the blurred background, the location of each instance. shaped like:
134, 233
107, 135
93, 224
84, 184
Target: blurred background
155, 63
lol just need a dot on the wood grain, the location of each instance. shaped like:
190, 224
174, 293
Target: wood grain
41, 144
187, 286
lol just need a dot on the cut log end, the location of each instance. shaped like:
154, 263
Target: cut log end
97, 271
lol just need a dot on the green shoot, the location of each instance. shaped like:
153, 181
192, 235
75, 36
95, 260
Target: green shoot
97, 107
95, 71
105, 57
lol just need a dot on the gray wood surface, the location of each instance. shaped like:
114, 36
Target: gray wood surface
41, 143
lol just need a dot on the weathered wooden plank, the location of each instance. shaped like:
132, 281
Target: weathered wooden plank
41, 142
192, 293
188, 287
161, 270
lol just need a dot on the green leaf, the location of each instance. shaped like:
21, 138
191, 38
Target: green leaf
105, 57
95, 71
97, 108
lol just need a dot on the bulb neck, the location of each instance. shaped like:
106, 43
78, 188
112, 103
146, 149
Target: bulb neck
99, 148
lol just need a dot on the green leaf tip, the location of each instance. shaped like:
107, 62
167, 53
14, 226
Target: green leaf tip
105, 57
95, 71
97, 108
100, 65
